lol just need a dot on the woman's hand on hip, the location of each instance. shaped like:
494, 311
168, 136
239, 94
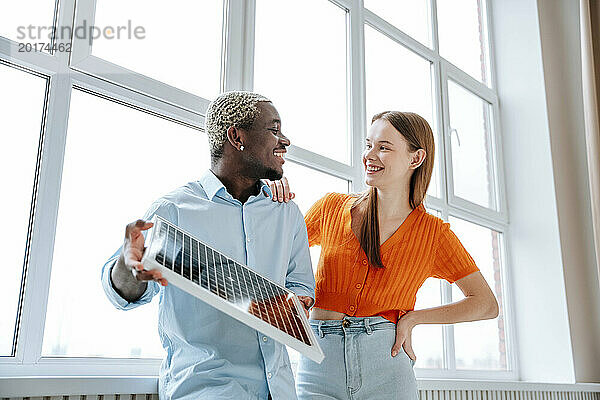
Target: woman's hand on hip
404, 329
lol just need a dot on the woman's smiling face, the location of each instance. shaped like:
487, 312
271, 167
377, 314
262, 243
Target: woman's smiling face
386, 158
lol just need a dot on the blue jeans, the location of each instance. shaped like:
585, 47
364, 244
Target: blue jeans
358, 363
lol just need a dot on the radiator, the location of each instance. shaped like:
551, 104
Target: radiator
505, 395
423, 394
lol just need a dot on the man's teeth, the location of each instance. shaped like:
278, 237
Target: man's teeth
374, 169
282, 155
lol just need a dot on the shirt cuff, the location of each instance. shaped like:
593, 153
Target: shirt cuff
114, 297
302, 291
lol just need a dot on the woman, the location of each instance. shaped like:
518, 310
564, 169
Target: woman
377, 249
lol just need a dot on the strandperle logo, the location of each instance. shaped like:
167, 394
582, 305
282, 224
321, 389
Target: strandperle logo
84, 31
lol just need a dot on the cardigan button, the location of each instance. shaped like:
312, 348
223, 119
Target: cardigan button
351, 308
358, 285
364, 262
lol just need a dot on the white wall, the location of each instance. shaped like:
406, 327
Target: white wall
555, 287
544, 345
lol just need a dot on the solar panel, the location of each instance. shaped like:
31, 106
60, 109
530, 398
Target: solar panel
231, 287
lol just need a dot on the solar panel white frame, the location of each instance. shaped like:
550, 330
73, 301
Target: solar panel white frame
155, 244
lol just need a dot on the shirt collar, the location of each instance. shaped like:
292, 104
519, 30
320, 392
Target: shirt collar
213, 185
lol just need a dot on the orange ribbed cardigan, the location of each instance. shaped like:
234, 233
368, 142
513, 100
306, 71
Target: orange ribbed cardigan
422, 247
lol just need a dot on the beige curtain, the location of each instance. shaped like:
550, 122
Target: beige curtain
590, 53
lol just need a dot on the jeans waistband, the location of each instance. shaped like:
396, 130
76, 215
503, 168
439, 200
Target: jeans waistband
350, 325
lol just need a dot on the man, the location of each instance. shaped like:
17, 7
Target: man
209, 354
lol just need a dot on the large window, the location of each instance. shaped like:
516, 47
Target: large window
114, 168
304, 71
132, 95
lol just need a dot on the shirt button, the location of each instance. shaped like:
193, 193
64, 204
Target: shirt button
269, 375
248, 240
364, 262
351, 308
265, 339
358, 285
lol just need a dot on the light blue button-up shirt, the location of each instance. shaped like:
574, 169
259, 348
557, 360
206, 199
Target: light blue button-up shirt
209, 354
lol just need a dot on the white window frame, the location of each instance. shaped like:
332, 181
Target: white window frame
83, 71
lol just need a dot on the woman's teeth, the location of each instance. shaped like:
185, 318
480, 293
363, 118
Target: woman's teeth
374, 169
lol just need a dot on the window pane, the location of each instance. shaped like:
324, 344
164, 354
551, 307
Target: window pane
472, 160
181, 44
399, 80
481, 344
428, 340
410, 16
27, 21
309, 186
463, 36
300, 64
97, 200
21, 110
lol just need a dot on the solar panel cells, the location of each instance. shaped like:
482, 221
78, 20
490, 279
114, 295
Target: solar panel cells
232, 287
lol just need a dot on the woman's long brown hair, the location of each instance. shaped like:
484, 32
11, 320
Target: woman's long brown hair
418, 135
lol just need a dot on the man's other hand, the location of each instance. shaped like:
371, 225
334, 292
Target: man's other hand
306, 302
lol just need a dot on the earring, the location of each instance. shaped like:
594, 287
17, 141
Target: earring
242, 148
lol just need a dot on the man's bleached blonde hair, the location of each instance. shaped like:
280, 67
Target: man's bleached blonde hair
238, 109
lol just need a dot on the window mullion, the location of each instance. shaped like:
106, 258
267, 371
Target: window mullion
233, 58
248, 44
440, 105
85, 15
491, 53
449, 361
356, 83
447, 177
434, 26
494, 197
499, 158
41, 246
448, 329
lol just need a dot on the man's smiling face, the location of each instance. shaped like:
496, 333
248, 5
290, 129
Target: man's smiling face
265, 145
